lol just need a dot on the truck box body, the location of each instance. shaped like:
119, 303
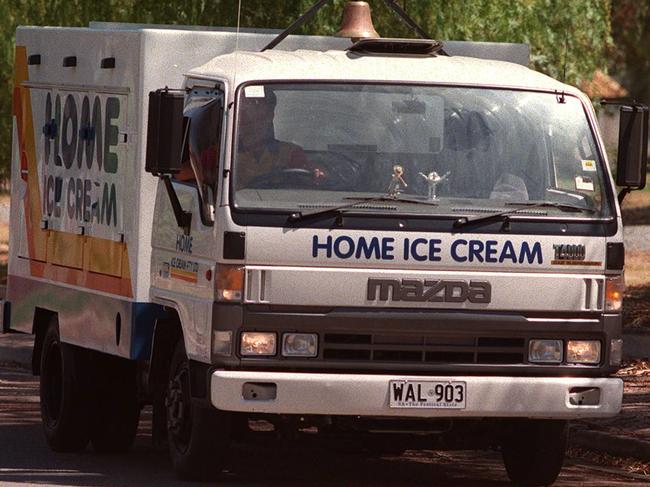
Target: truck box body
82, 207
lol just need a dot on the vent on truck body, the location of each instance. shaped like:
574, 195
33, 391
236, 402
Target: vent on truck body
417, 47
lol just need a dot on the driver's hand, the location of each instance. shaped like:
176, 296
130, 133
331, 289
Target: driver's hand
319, 175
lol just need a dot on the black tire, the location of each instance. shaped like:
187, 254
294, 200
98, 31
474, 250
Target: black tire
198, 437
63, 393
116, 408
533, 451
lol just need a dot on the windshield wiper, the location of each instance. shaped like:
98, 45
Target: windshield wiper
335, 210
523, 206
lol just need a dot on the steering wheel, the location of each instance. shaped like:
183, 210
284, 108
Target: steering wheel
283, 179
338, 171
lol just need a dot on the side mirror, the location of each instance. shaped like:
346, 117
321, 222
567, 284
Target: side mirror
165, 132
632, 160
165, 137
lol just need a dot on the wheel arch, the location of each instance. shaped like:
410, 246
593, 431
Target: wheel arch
167, 331
42, 317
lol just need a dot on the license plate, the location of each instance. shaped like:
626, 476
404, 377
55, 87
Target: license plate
426, 394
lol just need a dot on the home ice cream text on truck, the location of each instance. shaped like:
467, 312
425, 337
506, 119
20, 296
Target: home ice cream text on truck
381, 236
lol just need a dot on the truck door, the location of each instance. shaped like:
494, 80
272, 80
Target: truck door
183, 261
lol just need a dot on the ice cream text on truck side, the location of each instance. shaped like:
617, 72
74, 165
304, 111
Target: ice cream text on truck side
374, 237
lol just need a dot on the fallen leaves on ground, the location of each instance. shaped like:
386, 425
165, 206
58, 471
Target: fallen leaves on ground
636, 307
635, 368
629, 465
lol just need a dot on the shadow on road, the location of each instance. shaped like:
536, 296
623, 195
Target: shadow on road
26, 460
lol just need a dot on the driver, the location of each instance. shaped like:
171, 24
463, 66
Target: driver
259, 152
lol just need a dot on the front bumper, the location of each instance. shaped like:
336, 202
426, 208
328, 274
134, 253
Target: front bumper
367, 395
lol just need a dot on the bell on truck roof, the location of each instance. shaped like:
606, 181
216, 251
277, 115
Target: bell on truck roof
357, 22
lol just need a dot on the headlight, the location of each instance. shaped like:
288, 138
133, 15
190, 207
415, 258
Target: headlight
545, 351
300, 345
614, 289
258, 343
583, 352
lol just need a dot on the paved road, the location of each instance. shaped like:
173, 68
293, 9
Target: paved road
637, 237
26, 461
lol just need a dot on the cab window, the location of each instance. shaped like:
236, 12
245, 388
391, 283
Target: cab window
202, 149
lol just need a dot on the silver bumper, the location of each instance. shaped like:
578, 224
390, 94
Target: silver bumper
367, 395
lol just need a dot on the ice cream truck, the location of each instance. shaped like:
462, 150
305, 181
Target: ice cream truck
375, 237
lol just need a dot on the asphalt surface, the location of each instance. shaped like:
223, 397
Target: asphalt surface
636, 237
25, 460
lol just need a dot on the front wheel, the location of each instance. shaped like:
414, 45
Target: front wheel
533, 451
198, 437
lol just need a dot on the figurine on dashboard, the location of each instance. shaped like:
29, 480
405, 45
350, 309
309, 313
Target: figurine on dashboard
433, 179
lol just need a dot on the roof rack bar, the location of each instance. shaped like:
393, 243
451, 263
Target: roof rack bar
408, 20
396, 8
297, 23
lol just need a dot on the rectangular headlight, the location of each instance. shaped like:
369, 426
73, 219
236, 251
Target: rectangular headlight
300, 345
255, 343
545, 351
583, 352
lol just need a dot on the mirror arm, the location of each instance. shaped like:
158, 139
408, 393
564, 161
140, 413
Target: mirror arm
183, 218
297, 23
392, 4
412, 24
629, 102
622, 194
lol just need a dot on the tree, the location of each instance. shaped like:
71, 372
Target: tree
631, 55
568, 38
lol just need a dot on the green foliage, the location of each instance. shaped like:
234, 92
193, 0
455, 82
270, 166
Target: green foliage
631, 53
566, 36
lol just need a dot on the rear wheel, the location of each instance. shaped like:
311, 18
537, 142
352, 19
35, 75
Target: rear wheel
63, 394
198, 437
533, 451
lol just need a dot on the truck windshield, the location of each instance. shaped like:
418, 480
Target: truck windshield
310, 146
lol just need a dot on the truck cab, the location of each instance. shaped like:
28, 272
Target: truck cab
386, 232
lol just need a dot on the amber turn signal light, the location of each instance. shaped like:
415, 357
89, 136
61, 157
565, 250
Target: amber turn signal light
229, 282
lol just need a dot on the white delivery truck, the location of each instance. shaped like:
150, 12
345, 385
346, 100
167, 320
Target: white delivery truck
371, 237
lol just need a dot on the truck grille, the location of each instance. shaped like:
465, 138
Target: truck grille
423, 349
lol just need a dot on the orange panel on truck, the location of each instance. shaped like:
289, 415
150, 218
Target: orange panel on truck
65, 249
105, 256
